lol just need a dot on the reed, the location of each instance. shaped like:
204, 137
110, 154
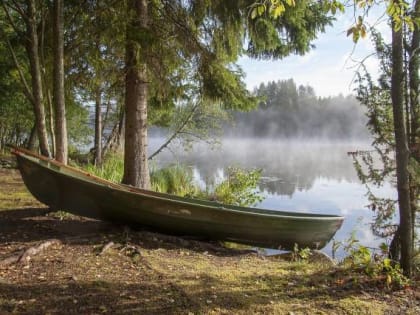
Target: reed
175, 179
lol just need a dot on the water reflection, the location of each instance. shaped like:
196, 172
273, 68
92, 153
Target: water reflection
287, 166
303, 176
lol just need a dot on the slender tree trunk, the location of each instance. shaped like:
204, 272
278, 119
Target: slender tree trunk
116, 138
30, 145
98, 127
413, 69
50, 115
136, 171
35, 70
402, 153
51, 127
414, 83
61, 150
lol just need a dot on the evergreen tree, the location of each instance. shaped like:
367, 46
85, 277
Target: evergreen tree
187, 50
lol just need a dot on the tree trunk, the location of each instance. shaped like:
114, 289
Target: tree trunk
136, 171
402, 153
98, 128
35, 70
50, 114
115, 140
413, 70
414, 83
30, 144
61, 150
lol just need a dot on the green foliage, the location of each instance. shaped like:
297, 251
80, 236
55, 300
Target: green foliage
239, 188
374, 265
279, 28
111, 169
175, 179
300, 254
16, 117
399, 12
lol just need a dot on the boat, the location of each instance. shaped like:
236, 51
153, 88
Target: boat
63, 187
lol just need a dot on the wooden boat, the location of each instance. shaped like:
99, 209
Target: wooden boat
66, 188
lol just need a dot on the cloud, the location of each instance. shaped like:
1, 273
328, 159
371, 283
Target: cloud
329, 68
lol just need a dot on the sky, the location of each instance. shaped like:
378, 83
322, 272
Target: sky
329, 68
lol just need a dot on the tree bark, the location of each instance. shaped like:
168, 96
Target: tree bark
414, 80
30, 145
136, 170
98, 128
414, 84
402, 152
33, 54
61, 150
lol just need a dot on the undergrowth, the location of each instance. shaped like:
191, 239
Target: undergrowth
238, 188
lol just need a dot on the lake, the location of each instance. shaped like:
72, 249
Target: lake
303, 176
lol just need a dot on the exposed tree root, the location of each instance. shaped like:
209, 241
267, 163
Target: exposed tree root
23, 256
106, 248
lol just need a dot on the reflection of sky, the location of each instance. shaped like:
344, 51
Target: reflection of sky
300, 176
334, 197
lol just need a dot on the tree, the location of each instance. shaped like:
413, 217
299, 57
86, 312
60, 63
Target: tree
401, 150
136, 170
33, 63
29, 14
392, 117
61, 147
180, 50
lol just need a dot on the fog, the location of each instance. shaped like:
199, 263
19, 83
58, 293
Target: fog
287, 165
288, 111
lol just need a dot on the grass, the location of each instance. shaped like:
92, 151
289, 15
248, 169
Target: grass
170, 275
12, 193
175, 179
111, 169
239, 188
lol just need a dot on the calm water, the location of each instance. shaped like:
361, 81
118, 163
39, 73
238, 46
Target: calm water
302, 176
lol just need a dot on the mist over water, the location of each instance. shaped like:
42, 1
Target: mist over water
312, 175
300, 142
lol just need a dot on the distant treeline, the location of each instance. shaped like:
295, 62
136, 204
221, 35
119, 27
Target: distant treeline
287, 110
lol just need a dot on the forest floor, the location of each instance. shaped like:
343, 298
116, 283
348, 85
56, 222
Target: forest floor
80, 266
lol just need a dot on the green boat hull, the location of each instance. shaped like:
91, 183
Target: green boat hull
66, 188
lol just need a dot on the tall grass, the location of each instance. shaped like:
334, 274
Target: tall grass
175, 179
239, 188
111, 169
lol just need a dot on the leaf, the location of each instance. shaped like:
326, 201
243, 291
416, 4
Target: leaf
261, 9
350, 31
254, 13
363, 32
278, 10
388, 279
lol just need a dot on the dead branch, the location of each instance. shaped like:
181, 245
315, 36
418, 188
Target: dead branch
25, 255
106, 248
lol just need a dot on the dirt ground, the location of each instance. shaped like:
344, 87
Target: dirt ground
94, 267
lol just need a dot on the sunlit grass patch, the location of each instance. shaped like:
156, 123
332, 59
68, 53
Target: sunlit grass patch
13, 194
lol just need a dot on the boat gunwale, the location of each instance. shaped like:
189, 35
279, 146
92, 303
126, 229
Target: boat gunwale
92, 179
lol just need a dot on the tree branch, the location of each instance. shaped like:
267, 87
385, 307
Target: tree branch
26, 90
177, 131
